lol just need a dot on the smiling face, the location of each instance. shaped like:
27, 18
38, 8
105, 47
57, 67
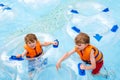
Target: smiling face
32, 44
30, 40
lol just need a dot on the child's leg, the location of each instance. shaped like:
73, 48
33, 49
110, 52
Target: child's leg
30, 75
98, 67
31, 68
96, 71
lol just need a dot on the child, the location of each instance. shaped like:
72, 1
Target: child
33, 50
87, 52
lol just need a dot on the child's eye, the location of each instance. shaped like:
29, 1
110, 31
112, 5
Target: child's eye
29, 42
79, 45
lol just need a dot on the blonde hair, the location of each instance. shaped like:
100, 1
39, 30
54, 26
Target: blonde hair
30, 38
82, 38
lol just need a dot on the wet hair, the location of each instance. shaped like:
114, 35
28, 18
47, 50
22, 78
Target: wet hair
30, 38
82, 38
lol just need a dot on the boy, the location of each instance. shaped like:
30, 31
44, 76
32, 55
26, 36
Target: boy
88, 53
33, 50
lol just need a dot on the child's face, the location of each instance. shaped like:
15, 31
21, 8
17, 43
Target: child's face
81, 46
31, 44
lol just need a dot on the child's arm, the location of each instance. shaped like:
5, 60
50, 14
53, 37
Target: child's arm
92, 60
65, 56
48, 43
22, 55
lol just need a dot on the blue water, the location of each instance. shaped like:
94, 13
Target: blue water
53, 19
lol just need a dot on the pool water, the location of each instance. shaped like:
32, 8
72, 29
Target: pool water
55, 19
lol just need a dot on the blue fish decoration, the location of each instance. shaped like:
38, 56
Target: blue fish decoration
76, 29
74, 11
106, 10
97, 37
114, 28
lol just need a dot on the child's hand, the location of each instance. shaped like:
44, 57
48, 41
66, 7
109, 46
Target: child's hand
58, 65
49, 43
82, 66
18, 55
55, 43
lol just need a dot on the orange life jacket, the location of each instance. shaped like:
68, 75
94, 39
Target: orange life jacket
33, 52
85, 55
